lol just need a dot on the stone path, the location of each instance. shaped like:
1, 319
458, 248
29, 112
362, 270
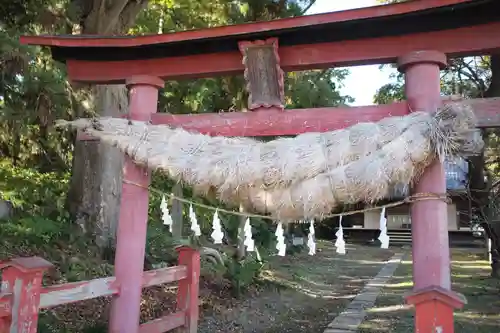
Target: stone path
349, 320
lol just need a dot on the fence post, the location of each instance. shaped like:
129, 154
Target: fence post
5, 311
22, 284
188, 292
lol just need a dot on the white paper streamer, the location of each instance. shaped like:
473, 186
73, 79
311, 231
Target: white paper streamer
280, 237
340, 242
195, 227
249, 242
217, 233
383, 238
310, 239
165, 214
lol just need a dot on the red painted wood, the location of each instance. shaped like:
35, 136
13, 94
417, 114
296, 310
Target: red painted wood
4, 324
432, 317
164, 275
430, 245
296, 22
78, 291
5, 311
5, 305
132, 226
434, 309
187, 294
434, 57
275, 122
164, 324
486, 111
23, 280
431, 255
474, 40
21, 289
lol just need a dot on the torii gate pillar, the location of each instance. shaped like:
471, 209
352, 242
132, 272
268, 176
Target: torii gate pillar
132, 225
432, 296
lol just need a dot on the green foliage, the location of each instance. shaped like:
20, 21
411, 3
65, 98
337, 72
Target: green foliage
42, 227
97, 328
32, 192
35, 230
38, 199
318, 88
34, 92
389, 93
160, 245
242, 273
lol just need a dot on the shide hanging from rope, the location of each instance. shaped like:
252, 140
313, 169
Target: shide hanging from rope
298, 178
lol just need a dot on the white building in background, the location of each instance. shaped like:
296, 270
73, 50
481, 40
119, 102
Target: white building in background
460, 210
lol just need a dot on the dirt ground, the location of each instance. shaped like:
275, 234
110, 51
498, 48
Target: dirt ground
470, 277
309, 292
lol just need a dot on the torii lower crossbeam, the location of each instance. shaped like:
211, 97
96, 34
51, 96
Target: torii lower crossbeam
275, 122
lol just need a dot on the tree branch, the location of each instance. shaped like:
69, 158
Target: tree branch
474, 77
91, 17
129, 14
116, 19
494, 88
309, 5
111, 17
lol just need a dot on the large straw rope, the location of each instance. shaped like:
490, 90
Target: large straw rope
303, 177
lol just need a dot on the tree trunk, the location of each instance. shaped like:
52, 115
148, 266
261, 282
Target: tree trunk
493, 230
96, 180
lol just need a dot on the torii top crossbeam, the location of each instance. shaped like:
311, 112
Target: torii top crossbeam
371, 35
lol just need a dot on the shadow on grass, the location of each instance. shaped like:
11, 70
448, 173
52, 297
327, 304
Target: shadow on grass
470, 277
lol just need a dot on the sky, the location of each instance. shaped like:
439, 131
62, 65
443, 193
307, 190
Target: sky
363, 81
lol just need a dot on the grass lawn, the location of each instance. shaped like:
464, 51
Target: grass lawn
470, 276
301, 293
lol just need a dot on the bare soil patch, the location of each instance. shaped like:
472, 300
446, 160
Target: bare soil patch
302, 293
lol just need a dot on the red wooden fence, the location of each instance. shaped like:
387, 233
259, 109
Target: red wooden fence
22, 294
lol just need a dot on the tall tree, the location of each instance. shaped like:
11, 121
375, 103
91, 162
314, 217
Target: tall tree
95, 188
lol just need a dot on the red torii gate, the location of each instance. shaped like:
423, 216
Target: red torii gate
418, 35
